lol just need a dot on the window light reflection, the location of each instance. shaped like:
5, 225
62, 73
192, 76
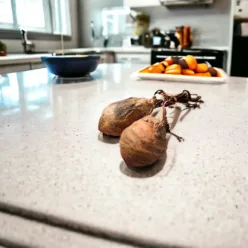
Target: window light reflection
9, 91
35, 78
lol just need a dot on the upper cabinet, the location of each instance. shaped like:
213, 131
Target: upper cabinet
141, 3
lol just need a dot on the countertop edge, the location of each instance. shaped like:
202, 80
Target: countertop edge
21, 59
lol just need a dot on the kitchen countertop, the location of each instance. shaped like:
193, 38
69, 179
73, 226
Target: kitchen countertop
21, 58
19, 232
35, 58
55, 165
124, 50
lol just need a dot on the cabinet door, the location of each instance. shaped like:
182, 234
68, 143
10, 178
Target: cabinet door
14, 68
37, 66
134, 58
141, 3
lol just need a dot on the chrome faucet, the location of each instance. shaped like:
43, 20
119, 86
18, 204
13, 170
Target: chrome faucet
28, 46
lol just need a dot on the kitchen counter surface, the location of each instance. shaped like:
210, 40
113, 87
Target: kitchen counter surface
35, 58
55, 165
122, 50
19, 232
21, 58
125, 50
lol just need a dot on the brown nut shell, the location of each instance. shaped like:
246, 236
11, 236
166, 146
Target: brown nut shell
212, 71
183, 64
175, 60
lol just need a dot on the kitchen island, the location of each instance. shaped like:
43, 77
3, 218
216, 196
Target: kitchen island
57, 168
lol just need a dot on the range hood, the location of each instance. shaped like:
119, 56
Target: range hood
185, 2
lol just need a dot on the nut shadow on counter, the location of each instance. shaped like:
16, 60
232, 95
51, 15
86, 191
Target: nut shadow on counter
108, 139
143, 172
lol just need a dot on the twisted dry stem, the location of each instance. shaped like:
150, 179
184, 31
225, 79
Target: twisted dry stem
169, 100
167, 127
186, 98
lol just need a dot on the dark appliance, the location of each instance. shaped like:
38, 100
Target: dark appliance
239, 53
216, 58
144, 39
171, 41
157, 38
239, 48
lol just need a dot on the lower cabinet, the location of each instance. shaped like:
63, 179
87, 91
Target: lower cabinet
34, 66
4, 69
134, 58
14, 68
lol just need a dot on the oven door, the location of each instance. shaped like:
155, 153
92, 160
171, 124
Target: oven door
215, 58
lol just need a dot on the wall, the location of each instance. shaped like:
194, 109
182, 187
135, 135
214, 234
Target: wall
90, 10
15, 46
211, 25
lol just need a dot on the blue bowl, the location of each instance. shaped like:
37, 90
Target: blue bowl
71, 66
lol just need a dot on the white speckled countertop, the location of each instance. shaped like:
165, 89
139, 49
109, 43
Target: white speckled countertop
19, 232
54, 163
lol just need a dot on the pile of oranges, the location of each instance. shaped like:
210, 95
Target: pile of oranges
187, 65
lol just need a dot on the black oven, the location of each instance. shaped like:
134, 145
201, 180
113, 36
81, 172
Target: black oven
216, 58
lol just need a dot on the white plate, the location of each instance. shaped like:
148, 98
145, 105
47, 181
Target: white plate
182, 78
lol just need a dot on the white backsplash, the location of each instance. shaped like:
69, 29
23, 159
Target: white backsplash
210, 25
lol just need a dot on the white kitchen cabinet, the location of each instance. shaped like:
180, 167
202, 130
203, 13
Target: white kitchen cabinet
4, 69
141, 3
133, 58
34, 66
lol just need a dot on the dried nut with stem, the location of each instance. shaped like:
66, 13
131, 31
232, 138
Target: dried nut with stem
144, 142
186, 98
119, 115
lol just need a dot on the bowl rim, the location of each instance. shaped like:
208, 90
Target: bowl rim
71, 57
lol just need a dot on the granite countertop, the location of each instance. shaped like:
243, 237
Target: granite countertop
55, 165
16, 231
